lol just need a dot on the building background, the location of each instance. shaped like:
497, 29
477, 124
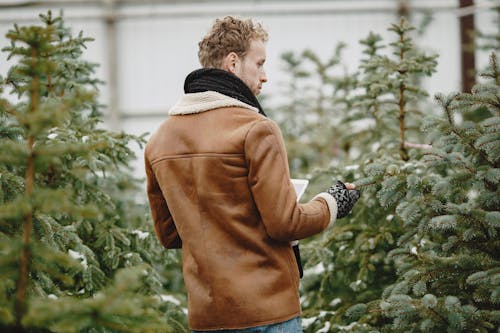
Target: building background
145, 48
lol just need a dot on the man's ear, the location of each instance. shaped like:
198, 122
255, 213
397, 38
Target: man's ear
231, 62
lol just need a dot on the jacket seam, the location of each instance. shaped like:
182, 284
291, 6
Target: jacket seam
270, 131
283, 159
212, 292
175, 157
248, 132
245, 156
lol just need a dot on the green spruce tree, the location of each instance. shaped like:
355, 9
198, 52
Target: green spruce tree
420, 251
449, 269
350, 259
77, 253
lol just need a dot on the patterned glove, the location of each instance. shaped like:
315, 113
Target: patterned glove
345, 198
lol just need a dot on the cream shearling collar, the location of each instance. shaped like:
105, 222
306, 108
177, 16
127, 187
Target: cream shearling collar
204, 101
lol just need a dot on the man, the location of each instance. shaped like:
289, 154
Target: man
219, 188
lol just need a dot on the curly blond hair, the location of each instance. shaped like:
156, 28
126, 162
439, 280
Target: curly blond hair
229, 34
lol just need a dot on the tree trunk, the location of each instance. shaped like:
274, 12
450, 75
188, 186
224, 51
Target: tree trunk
467, 47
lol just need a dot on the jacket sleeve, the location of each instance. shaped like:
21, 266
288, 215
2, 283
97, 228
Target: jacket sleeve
274, 195
162, 219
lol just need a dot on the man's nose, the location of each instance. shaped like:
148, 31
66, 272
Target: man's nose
263, 77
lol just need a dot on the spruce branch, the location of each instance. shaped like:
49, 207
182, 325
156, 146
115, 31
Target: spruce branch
437, 315
417, 145
447, 104
493, 74
367, 184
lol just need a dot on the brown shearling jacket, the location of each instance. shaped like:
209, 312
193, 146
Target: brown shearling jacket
219, 187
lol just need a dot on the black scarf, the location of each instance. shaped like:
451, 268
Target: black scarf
221, 81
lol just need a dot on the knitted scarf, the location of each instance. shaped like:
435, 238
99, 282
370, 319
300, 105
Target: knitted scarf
221, 81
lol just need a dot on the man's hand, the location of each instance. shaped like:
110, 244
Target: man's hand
350, 186
346, 196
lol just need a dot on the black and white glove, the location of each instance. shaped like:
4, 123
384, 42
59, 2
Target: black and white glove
345, 198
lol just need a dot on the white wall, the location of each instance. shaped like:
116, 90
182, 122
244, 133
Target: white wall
157, 43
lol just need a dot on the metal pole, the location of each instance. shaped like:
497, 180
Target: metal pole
467, 47
114, 117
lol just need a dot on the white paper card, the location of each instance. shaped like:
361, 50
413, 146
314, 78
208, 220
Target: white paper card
300, 186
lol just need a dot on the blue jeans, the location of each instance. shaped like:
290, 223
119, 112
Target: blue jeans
290, 326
